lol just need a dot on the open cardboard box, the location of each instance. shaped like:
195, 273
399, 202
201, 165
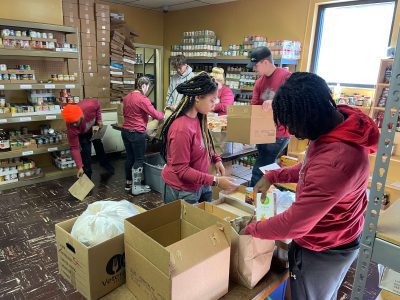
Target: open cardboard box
93, 271
177, 251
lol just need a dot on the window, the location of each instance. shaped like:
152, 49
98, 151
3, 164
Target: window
350, 40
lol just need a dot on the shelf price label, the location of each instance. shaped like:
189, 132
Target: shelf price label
25, 119
49, 86
51, 117
70, 86
52, 149
2, 121
25, 153
25, 86
1, 86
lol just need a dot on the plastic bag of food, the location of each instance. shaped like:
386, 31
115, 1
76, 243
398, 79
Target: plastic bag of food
101, 221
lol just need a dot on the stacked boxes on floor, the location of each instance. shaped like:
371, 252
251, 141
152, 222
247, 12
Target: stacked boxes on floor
103, 52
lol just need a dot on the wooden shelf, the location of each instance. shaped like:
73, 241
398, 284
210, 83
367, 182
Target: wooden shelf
37, 86
34, 25
30, 118
38, 53
29, 152
383, 84
50, 173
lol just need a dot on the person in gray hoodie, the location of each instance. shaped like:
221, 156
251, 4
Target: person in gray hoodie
184, 72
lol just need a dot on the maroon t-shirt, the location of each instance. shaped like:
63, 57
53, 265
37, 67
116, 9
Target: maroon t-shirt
265, 89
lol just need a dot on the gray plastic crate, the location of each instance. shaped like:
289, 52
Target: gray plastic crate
153, 165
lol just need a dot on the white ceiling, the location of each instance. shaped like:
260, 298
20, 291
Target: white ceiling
168, 5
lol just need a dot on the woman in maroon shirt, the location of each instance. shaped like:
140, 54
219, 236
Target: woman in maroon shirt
136, 109
225, 95
188, 147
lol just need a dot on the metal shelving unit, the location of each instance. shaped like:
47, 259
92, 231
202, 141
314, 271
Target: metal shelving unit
37, 53
35, 151
376, 247
30, 118
37, 86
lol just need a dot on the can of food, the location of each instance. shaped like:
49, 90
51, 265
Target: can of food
249, 195
2, 102
3, 67
50, 35
21, 175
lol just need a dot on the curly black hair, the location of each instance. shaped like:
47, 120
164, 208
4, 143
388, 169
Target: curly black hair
199, 85
304, 105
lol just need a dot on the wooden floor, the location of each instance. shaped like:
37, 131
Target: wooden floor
28, 257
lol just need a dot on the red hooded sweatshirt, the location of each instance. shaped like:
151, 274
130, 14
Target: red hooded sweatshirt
226, 97
331, 188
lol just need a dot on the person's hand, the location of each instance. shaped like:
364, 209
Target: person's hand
80, 173
220, 169
262, 187
267, 105
95, 129
227, 184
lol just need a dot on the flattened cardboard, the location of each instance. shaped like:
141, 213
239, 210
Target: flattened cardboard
161, 255
249, 124
88, 40
88, 26
86, 12
93, 271
89, 66
81, 188
89, 53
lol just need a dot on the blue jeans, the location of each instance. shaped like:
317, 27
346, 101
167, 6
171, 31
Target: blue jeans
204, 194
267, 154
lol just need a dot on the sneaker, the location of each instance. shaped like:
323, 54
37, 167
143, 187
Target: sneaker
128, 187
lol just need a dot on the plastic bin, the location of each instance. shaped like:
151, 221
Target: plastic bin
279, 292
153, 165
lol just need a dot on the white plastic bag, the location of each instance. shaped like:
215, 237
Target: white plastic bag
101, 221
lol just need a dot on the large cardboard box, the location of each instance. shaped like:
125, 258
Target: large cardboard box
91, 79
103, 23
103, 14
103, 36
86, 12
103, 53
71, 1
88, 26
93, 271
73, 68
71, 39
89, 66
120, 114
104, 92
103, 70
86, 2
249, 124
177, 251
91, 91
89, 53
104, 80
88, 40
70, 9
72, 21
102, 7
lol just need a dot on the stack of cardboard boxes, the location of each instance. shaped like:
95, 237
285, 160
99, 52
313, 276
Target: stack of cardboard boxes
117, 66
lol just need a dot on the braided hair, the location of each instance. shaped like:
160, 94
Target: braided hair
199, 85
305, 106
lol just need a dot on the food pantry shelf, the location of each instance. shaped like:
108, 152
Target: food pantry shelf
50, 173
34, 25
37, 86
30, 118
37, 53
29, 152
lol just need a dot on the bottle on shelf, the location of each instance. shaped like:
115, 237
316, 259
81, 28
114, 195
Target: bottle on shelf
4, 141
388, 74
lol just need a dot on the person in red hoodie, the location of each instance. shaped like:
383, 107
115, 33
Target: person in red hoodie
271, 78
327, 218
136, 109
187, 145
225, 95
83, 119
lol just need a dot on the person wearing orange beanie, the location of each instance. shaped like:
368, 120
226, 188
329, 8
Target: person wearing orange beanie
82, 120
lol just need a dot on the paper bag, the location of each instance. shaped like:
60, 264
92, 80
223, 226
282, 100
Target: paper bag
81, 188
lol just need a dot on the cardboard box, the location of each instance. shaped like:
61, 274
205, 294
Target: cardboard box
70, 1
86, 12
88, 40
162, 254
120, 114
70, 9
103, 23
103, 53
249, 124
73, 69
103, 14
89, 53
103, 36
71, 39
91, 91
104, 102
90, 79
104, 92
104, 80
103, 70
72, 21
102, 7
93, 271
86, 2
89, 66
88, 26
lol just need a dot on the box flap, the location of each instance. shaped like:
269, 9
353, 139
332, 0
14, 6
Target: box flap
234, 206
185, 254
239, 111
217, 211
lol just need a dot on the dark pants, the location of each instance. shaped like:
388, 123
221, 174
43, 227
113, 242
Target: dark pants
202, 195
318, 275
86, 153
267, 154
135, 146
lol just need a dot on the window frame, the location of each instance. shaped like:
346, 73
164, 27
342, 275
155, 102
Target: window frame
319, 28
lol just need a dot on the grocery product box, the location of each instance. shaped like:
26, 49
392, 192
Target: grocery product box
93, 271
86, 2
88, 40
103, 35
90, 79
89, 53
249, 124
91, 91
89, 66
103, 53
70, 9
162, 256
103, 23
88, 26
72, 21
86, 12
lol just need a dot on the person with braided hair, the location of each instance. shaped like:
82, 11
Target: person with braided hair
187, 145
327, 218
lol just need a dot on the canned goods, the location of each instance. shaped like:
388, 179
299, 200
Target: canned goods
3, 67
7, 177
1, 178
50, 35
44, 35
249, 195
2, 102
21, 175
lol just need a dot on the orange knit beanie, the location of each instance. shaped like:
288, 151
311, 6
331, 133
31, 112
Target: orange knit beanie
72, 113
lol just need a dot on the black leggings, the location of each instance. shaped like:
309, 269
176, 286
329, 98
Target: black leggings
135, 146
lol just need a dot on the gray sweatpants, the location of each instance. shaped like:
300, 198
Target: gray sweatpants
318, 275
204, 194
